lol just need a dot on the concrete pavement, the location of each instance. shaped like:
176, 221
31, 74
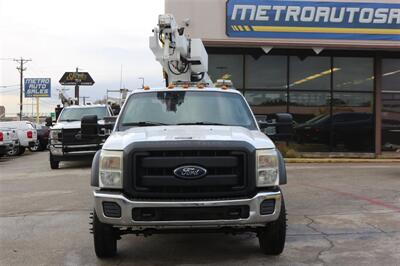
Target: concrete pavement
338, 214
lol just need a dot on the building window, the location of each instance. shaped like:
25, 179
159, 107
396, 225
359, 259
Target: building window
331, 98
266, 72
309, 98
226, 67
353, 74
352, 104
309, 73
390, 105
266, 83
266, 102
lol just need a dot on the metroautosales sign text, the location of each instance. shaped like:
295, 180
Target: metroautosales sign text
313, 20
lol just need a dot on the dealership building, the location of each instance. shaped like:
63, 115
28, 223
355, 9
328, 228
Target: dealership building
334, 65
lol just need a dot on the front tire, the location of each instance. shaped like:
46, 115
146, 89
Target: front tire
104, 238
54, 164
273, 236
35, 147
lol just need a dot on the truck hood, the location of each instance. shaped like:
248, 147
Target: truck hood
71, 125
119, 140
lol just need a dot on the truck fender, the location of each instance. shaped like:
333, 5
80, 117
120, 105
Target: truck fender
94, 179
282, 170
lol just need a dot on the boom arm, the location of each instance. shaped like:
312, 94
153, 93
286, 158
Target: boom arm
183, 59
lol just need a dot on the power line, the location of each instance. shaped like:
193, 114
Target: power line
9, 90
8, 86
21, 70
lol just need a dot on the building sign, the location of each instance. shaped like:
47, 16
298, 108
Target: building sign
37, 87
313, 20
76, 78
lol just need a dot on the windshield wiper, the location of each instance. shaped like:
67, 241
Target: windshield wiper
69, 120
202, 123
144, 124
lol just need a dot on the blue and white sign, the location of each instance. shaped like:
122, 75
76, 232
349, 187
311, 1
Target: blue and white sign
313, 20
37, 87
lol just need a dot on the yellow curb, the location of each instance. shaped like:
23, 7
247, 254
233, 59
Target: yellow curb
340, 160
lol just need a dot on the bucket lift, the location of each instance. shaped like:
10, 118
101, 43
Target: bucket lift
184, 60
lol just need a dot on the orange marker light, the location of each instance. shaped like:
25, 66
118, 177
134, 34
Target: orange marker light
200, 86
171, 86
185, 86
146, 88
224, 87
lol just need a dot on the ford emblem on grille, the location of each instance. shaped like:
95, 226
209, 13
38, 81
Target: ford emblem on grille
190, 172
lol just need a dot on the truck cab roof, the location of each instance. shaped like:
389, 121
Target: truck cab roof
85, 106
186, 88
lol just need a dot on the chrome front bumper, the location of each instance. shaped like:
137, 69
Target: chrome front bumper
255, 219
59, 150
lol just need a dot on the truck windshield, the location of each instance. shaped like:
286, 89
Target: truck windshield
76, 114
186, 108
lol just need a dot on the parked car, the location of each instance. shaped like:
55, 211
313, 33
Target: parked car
7, 140
42, 141
353, 129
26, 132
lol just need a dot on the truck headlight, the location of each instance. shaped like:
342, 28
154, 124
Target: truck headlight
110, 172
267, 168
55, 136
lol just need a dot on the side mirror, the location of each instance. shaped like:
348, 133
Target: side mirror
49, 121
279, 126
89, 126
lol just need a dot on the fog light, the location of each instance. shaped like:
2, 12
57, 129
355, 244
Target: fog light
111, 209
267, 207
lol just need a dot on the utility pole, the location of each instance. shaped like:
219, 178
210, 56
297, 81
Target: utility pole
21, 70
84, 99
77, 82
120, 79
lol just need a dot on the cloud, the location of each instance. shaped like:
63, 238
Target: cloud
96, 36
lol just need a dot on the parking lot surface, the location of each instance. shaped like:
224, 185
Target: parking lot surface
338, 214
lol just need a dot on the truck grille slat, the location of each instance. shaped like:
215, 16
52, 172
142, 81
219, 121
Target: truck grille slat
161, 162
209, 180
153, 173
69, 137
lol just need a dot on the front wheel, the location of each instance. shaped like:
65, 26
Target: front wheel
104, 237
272, 237
53, 163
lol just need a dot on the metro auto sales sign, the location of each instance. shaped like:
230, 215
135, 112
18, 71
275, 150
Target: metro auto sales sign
37, 87
313, 20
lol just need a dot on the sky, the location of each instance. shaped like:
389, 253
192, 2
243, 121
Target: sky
96, 36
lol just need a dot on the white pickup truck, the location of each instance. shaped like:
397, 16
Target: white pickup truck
66, 143
8, 140
185, 160
26, 133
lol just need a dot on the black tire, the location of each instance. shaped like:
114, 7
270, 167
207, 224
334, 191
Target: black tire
104, 238
54, 164
14, 151
21, 150
42, 146
35, 147
273, 236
